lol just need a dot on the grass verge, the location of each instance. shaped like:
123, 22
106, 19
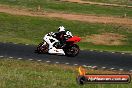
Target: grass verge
30, 74
68, 7
24, 29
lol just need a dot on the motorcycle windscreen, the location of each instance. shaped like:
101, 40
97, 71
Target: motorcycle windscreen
74, 39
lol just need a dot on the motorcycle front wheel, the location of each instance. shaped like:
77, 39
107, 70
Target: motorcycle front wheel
72, 51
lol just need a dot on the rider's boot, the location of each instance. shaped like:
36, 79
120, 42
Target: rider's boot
53, 50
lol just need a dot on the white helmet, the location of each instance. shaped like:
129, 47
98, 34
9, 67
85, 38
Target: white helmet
61, 28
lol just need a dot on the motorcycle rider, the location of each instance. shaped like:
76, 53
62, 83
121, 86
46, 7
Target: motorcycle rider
59, 37
62, 35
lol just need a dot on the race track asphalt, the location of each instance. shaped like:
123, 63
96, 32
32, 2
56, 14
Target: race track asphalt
89, 58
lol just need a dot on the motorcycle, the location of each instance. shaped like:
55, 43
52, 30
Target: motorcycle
70, 47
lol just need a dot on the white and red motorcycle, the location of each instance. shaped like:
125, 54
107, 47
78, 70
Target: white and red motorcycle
70, 47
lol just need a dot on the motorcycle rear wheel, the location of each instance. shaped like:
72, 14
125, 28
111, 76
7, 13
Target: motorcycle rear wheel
43, 47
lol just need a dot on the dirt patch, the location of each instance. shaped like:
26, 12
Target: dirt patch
78, 17
105, 39
96, 3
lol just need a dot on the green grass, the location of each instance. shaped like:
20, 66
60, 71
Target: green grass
67, 7
122, 2
30, 74
24, 29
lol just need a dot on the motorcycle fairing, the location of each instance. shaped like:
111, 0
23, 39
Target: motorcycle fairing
74, 39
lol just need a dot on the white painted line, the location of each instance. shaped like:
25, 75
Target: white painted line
91, 50
39, 60
26, 44
104, 67
10, 57
122, 53
19, 58
57, 62
84, 65
15, 43
101, 51
66, 63
75, 64
48, 61
1, 56
112, 68
130, 70
121, 69
94, 67
30, 59
112, 52
89, 66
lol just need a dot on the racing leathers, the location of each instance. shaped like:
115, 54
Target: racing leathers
49, 38
59, 37
63, 36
